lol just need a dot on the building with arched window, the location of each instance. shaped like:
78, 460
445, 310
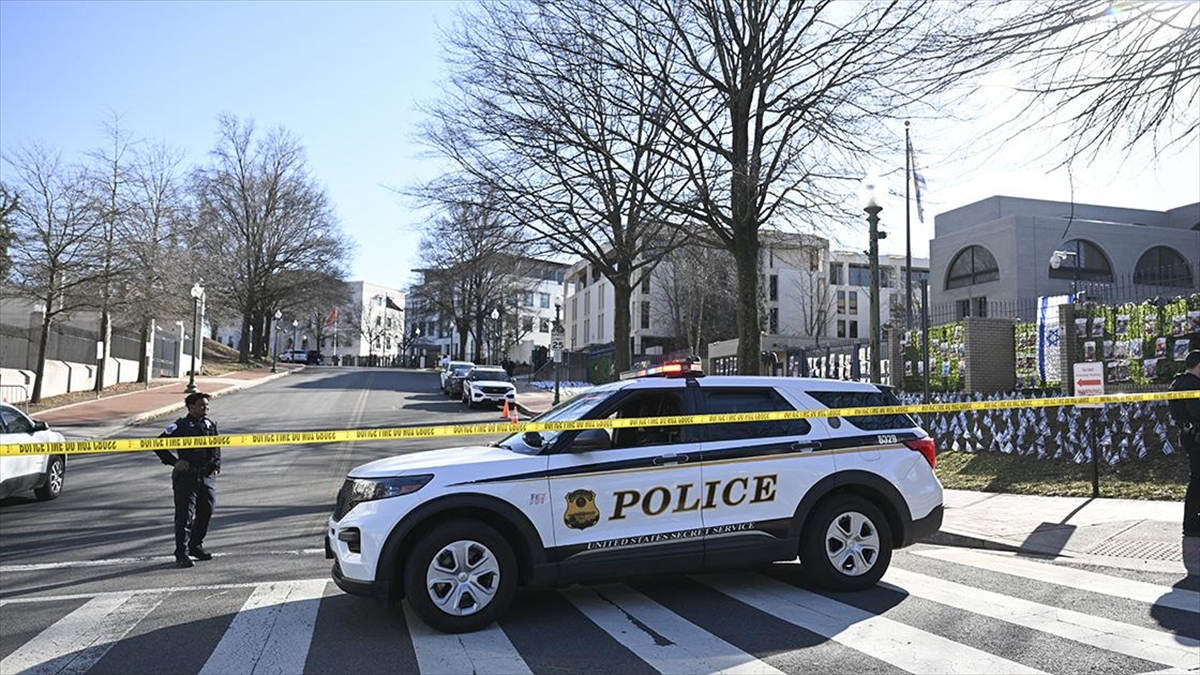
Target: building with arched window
1009, 249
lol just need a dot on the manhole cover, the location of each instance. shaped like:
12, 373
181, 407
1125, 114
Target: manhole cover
1132, 548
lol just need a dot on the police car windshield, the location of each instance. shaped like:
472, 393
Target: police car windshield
574, 409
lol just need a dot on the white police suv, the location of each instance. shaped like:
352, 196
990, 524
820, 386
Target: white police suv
456, 531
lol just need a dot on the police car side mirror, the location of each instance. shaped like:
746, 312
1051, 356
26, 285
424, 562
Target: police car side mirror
39, 425
591, 439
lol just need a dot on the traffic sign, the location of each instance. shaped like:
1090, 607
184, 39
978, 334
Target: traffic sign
1089, 381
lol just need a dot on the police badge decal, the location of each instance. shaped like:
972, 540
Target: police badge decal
581, 510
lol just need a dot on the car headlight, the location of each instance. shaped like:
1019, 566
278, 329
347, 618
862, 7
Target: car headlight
359, 490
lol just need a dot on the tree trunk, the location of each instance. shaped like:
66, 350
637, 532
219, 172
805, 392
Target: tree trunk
622, 292
105, 346
745, 254
43, 340
244, 343
145, 355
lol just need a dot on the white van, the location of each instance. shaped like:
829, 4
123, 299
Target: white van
44, 474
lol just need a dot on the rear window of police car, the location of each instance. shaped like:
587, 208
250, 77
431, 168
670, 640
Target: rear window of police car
866, 399
718, 401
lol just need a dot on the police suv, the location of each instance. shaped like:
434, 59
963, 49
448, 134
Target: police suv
456, 531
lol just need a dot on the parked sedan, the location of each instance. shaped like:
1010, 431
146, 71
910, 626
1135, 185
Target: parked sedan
454, 377
488, 384
44, 474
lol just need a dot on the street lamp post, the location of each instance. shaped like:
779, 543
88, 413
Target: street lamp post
557, 349
275, 354
415, 349
495, 336
295, 335
872, 207
197, 293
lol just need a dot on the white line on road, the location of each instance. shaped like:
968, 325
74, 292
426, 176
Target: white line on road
143, 591
903, 646
39, 567
1009, 563
1114, 636
78, 640
482, 652
658, 636
271, 632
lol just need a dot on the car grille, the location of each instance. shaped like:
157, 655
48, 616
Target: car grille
494, 390
343, 500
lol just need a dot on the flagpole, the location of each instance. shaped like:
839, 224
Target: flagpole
907, 234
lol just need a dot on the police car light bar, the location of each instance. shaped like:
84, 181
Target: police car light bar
682, 368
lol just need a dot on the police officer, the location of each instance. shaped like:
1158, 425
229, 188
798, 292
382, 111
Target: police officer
1187, 413
193, 480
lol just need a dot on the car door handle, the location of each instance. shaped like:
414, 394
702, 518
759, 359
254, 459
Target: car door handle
806, 447
670, 459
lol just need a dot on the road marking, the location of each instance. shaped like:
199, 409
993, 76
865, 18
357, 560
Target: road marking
38, 567
658, 636
1114, 636
78, 640
903, 646
1008, 563
271, 632
143, 591
482, 652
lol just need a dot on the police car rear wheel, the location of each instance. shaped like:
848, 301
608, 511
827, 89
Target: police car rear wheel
847, 544
460, 576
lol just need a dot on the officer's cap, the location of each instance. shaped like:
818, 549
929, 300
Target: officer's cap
1192, 358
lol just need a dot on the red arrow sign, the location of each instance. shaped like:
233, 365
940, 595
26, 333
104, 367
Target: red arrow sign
1088, 383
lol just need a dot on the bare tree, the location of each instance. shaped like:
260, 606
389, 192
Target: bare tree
699, 295
382, 328
8, 209
54, 226
539, 110
815, 303
774, 105
263, 215
1108, 74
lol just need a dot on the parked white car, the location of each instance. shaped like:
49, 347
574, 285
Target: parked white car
44, 474
293, 356
488, 384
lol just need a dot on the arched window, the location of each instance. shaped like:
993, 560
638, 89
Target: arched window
1093, 264
1163, 266
973, 265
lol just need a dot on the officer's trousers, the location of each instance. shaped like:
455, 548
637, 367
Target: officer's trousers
195, 499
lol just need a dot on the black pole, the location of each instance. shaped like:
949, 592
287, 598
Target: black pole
908, 293
925, 332
873, 255
1095, 456
191, 385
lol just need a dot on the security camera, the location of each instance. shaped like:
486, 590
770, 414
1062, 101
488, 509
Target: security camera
1056, 260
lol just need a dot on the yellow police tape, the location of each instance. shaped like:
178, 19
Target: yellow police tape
404, 433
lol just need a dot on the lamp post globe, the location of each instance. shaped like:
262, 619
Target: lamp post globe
197, 293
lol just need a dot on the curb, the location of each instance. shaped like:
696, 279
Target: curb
945, 537
167, 409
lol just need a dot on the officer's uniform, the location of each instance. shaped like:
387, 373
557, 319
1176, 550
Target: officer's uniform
195, 489
1187, 413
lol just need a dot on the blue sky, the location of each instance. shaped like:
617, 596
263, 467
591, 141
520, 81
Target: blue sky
346, 77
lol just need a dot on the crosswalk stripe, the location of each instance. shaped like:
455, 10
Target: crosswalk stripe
903, 646
78, 640
1114, 636
658, 636
1009, 563
482, 652
271, 632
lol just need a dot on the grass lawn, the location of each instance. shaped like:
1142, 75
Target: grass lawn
1155, 477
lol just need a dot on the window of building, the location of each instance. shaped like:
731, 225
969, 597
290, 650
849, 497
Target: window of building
544, 300
587, 331
972, 307
600, 299
773, 287
527, 324
853, 329
595, 274
841, 328
973, 265
646, 284
860, 275
545, 326
573, 334
853, 295
841, 302
836, 275
587, 302
1163, 266
887, 277
600, 327
1087, 263
773, 321
645, 314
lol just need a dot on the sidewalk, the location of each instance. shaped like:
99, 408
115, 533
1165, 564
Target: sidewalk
1124, 533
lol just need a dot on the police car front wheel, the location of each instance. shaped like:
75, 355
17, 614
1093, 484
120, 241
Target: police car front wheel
847, 544
460, 576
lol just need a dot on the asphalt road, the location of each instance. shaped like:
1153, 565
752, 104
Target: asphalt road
87, 583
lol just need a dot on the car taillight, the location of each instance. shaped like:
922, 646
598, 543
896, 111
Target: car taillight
927, 449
